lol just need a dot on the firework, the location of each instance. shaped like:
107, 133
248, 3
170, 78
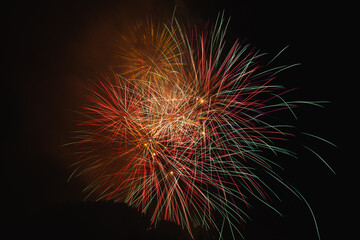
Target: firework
179, 130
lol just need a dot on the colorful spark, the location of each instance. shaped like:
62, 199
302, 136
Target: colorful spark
180, 128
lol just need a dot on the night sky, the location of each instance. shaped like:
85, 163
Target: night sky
55, 47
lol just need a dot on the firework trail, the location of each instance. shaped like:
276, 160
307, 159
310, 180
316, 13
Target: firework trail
179, 130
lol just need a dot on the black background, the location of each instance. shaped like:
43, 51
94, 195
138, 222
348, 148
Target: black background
54, 47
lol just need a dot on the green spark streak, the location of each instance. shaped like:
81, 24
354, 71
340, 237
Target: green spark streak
320, 158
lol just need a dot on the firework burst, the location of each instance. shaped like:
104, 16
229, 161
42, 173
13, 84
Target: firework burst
180, 128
